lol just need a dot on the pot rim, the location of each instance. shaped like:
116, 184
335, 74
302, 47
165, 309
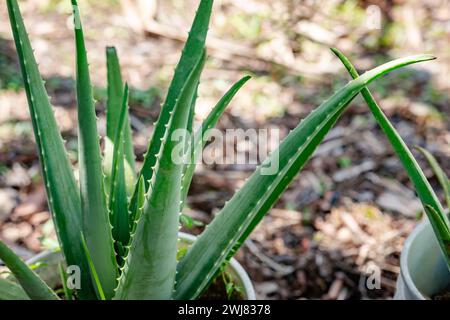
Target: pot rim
240, 272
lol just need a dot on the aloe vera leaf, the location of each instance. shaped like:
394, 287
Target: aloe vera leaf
141, 198
192, 52
11, 291
440, 226
190, 128
426, 193
140, 208
63, 275
97, 281
247, 207
61, 188
200, 137
118, 201
439, 172
190, 124
150, 266
35, 288
113, 108
96, 224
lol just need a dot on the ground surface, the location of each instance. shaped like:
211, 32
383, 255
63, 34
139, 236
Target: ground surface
352, 206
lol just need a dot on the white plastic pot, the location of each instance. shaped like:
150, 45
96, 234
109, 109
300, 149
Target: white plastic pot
424, 272
49, 271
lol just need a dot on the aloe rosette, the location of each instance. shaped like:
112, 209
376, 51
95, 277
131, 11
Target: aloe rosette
119, 225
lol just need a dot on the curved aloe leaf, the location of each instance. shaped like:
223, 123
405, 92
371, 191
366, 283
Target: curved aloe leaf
62, 191
96, 225
113, 109
150, 267
248, 206
11, 291
430, 202
192, 52
439, 172
35, 288
118, 201
200, 137
439, 223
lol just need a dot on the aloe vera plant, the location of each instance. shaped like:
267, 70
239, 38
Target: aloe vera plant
438, 218
120, 226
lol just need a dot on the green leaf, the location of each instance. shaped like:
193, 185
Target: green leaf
140, 205
35, 288
439, 172
150, 267
438, 219
189, 222
11, 291
96, 225
243, 212
97, 281
190, 124
441, 229
62, 190
141, 199
67, 292
190, 128
192, 52
113, 108
140, 208
201, 135
118, 201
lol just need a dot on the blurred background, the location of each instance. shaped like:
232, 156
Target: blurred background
350, 209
